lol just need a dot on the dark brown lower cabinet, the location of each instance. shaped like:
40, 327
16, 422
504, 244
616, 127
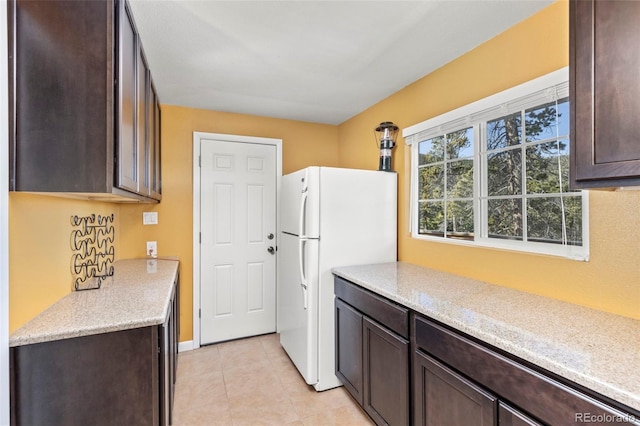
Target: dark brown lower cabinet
386, 375
168, 359
444, 397
372, 361
118, 378
455, 380
349, 349
103, 379
522, 395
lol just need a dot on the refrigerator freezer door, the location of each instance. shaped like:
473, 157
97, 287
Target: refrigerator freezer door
297, 305
299, 203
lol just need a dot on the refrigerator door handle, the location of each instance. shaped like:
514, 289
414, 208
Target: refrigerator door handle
303, 278
303, 212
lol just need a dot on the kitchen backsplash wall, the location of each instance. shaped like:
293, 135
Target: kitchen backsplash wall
40, 250
610, 281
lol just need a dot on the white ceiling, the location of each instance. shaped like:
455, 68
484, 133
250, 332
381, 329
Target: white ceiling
318, 61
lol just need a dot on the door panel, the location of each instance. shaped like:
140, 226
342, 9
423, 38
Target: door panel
255, 282
386, 374
444, 397
255, 213
238, 212
349, 361
223, 289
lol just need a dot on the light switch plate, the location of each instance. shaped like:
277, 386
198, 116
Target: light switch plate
150, 218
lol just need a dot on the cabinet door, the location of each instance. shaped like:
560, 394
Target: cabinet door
444, 397
349, 349
153, 114
103, 379
509, 416
127, 156
166, 369
142, 122
176, 322
605, 93
61, 96
386, 375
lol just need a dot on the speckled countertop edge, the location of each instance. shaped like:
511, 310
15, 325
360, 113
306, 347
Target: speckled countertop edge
595, 349
137, 295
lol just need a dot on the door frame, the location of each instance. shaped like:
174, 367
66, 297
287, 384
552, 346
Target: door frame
197, 137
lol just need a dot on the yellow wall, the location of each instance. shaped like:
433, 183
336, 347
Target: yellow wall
303, 144
610, 281
40, 250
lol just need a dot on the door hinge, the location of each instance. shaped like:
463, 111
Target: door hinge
200, 237
199, 160
199, 313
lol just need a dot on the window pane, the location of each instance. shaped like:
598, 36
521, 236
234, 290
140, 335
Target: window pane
573, 218
547, 166
505, 219
504, 132
504, 173
431, 181
460, 144
542, 123
460, 179
563, 117
431, 151
460, 219
544, 220
431, 218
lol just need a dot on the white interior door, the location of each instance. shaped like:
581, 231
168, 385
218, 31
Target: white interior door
238, 228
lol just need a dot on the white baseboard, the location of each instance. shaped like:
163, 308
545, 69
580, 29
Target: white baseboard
185, 346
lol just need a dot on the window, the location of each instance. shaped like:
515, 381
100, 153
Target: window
495, 173
445, 185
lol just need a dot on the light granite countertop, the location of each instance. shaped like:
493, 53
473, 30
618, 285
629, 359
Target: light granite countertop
138, 295
598, 350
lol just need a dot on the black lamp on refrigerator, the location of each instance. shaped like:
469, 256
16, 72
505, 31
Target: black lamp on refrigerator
386, 133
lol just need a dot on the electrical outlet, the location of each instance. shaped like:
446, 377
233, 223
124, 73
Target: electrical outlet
152, 248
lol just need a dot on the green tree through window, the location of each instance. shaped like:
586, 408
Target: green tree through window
525, 193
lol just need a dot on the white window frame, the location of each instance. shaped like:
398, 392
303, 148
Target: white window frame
550, 87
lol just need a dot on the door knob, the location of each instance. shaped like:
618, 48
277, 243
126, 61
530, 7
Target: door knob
270, 236
271, 250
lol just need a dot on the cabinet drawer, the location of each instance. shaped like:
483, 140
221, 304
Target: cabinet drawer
545, 398
393, 316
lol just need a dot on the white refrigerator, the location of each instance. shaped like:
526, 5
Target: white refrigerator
329, 217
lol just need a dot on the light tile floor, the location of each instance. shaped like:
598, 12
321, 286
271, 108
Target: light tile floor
253, 382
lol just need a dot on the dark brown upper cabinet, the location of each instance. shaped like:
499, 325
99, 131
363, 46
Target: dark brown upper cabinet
605, 93
84, 114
